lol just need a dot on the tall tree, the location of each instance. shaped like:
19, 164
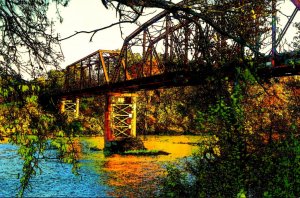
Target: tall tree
27, 41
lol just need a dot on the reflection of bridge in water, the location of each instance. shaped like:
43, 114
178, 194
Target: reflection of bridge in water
168, 51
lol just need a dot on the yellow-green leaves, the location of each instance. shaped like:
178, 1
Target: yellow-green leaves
241, 194
29, 89
4, 91
32, 99
24, 88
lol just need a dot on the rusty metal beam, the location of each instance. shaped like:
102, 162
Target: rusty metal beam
104, 67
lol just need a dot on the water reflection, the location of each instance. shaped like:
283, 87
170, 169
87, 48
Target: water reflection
100, 176
139, 176
133, 176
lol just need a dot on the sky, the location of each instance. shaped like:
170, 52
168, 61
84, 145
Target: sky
91, 14
86, 15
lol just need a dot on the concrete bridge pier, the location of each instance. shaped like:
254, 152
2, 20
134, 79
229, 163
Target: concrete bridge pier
120, 121
70, 107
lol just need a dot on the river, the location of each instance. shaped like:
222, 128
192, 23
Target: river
99, 175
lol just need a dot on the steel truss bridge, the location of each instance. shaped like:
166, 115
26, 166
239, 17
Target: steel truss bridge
170, 49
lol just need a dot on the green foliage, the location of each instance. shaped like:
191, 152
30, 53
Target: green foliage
239, 163
29, 130
140, 151
67, 151
30, 152
177, 183
145, 152
83, 106
28, 126
55, 80
169, 111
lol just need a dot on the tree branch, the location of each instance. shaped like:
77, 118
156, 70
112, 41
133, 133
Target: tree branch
93, 32
184, 7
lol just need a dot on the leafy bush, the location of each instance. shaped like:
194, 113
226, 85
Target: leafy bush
273, 172
245, 160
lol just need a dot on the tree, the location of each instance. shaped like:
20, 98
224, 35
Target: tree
297, 37
27, 41
28, 46
237, 20
254, 147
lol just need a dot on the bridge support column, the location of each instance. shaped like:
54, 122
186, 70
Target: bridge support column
69, 107
62, 107
77, 108
120, 118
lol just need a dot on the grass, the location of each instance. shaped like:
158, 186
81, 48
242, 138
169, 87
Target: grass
145, 152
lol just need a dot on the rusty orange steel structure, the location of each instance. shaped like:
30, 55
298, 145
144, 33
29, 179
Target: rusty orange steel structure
173, 52
171, 49
120, 116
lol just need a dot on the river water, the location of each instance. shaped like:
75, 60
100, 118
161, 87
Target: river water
99, 175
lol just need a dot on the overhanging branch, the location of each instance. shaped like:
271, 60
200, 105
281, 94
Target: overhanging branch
93, 32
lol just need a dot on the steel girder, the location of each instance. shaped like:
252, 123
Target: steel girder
169, 44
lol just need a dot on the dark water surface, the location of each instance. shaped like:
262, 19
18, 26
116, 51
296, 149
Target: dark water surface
100, 176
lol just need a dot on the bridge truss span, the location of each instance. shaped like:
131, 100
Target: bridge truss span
91, 71
173, 43
175, 48
168, 48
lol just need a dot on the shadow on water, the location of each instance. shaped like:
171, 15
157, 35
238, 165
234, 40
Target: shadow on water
100, 176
